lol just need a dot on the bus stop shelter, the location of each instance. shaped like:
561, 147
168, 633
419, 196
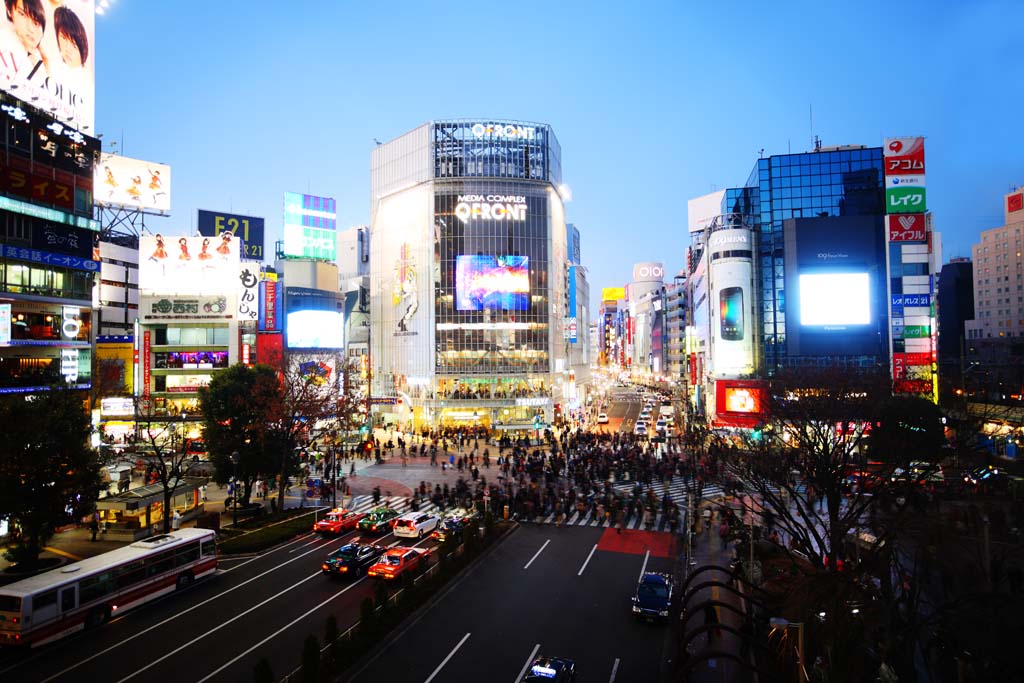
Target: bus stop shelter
139, 512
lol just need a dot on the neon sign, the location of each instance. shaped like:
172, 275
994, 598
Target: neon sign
491, 207
507, 130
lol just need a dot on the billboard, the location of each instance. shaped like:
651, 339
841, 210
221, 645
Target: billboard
904, 156
188, 265
248, 284
613, 293
48, 57
132, 183
740, 403
65, 239
1014, 204
310, 226
907, 227
315, 329
5, 324
168, 307
648, 272
572, 326
249, 229
835, 286
905, 199
270, 306
492, 283
700, 211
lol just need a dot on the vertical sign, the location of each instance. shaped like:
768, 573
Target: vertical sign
5, 324
248, 281
573, 321
146, 340
270, 306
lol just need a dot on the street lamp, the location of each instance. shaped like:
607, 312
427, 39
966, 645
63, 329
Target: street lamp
234, 491
780, 624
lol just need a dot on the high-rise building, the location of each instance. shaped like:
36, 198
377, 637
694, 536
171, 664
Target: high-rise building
676, 320
956, 306
117, 294
468, 276
999, 276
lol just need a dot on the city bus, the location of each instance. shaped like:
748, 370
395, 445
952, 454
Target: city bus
86, 594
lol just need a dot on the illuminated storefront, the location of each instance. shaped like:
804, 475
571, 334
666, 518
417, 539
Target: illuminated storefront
468, 272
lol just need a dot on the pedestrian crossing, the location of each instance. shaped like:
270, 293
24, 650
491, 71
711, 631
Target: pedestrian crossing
678, 489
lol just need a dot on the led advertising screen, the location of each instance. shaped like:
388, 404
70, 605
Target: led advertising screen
835, 299
492, 283
188, 265
315, 330
740, 403
132, 183
835, 289
48, 57
310, 226
730, 301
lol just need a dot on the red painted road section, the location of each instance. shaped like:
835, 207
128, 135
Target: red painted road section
659, 543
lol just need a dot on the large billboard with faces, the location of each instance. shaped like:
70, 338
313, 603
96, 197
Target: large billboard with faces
48, 57
133, 184
188, 265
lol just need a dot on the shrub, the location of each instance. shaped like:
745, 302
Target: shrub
310, 660
262, 673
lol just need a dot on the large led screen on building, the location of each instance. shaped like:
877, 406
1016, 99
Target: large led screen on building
835, 289
835, 299
492, 283
132, 183
310, 226
188, 265
315, 330
49, 55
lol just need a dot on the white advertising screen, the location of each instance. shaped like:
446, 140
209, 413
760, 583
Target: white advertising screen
835, 299
132, 183
315, 330
48, 57
188, 265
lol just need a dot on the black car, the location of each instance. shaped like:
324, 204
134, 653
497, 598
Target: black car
352, 559
454, 523
550, 670
653, 596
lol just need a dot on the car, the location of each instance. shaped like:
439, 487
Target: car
454, 522
397, 561
550, 670
352, 559
653, 596
602, 418
986, 474
661, 425
338, 521
378, 520
640, 430
415, 524
919, 472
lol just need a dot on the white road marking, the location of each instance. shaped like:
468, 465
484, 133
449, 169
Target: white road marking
443, 662
282, 630
587, 561
217, 628
644, 568
615, 670
527, 565
179, 614
315, 540
526, 666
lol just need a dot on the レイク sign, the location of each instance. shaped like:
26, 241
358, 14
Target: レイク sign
491, 207
506, 130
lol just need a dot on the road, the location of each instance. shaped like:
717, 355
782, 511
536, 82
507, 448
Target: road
218, 629
623, 409
562, 591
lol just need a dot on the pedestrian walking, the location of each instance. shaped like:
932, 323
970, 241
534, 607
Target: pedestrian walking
176, 521
202, 492
94, 527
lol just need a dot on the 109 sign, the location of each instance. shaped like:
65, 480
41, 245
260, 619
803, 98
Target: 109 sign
248, 228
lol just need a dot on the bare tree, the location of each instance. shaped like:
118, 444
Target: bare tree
161, 446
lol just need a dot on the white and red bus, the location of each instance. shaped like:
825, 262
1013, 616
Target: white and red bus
84, 594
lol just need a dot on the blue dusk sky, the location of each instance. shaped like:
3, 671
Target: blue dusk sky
654, 103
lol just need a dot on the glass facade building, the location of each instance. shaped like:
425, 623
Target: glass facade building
829, 182
468, 263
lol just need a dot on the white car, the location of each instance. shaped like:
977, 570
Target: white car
661, 425
416, 524
640, 429
602, 418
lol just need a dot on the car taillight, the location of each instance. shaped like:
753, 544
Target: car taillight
342, 568
325, 566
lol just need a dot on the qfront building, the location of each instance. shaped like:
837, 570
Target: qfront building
468, 273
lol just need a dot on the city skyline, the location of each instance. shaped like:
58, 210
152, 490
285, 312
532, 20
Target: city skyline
651, 108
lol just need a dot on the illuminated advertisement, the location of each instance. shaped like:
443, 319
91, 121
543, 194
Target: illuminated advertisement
905, 199
64, 239
1014, 203
315, 330
903, 156
186, 383
490, 207
730, 301
5, 324
729, 310
248, 285
503, 130
835, 291
648, 272
740, 403
188, 265
572, 327
310, 226
613, 293
190, 360
169, 307
132, 183
492, 283
270, 349
48, 57
270, 306
908, 227
248, 229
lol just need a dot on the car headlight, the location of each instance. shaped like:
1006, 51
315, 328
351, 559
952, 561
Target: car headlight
663, 613
636, 609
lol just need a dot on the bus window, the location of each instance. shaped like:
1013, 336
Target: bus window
187, 555
95, 587
209, 548
67, 598
131, 573
161, 563
44, 606
9, 603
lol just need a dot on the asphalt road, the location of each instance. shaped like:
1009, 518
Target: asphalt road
544, 590
216, 630
623, 409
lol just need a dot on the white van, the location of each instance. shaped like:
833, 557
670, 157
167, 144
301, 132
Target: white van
416, 524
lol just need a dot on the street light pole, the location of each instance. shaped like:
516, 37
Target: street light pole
234, 490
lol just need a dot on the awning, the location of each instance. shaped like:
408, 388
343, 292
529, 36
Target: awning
141, 497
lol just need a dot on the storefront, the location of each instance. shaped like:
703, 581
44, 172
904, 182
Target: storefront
139, 513
42, 343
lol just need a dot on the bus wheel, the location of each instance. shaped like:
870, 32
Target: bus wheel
97, 617
184, 581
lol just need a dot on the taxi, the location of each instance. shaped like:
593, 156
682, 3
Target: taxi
379, 520
397, 561
352, 559
550, 670
338, 521
454, 522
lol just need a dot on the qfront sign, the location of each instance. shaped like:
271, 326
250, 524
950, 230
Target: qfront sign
503, 130
496, 207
